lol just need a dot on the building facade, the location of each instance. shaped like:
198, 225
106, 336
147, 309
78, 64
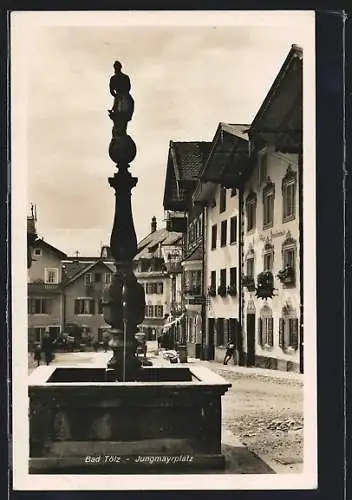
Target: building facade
159, 281
45, 291
185, 163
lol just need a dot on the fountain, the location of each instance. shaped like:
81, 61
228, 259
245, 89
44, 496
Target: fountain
126, 418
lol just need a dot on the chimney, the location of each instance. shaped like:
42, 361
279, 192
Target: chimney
153, 225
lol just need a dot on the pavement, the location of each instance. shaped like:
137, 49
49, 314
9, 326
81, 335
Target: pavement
239, 458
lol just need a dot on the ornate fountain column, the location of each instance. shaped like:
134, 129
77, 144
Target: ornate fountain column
124, 306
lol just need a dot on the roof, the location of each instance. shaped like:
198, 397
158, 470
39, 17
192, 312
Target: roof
74, 270
229, 149
282, 109
184, 164
41, 243
150, 244
196, 254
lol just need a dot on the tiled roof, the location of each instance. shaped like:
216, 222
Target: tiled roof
189, 158
41, 243
148, 246
197, 254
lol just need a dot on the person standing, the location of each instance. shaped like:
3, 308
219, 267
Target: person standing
230, 349
47, 347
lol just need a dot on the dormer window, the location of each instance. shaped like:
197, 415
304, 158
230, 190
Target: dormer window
51, 276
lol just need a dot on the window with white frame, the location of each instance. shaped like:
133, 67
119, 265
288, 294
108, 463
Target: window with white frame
268, 257
37, 252
250, 266
159, 311
85, 306
222, 203
251, 209
289, 183
108, 278
268, 204
38, 332
51, 276
288, 329
266, 327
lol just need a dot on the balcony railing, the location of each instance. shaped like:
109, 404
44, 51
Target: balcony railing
41, 287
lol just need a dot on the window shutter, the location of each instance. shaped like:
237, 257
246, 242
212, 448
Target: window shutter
77, 306
260, 331
294, 334
282, 333
271, 331
48, 306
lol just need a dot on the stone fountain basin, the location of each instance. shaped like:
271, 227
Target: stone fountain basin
168, 421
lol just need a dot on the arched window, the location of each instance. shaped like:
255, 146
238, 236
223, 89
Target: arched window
268, 256
288, 329
268, 204
289, 183
251, 206
266, 327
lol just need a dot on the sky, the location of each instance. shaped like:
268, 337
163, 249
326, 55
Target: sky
185, 80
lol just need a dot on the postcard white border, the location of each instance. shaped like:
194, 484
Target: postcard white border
20, 23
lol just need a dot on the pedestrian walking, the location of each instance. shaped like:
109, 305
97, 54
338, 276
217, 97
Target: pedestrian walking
230, 349
47, 348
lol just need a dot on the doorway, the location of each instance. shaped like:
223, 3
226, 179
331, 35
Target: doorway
211, 331
250, 339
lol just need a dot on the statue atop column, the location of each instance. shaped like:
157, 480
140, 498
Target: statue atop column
124, 303
123, 106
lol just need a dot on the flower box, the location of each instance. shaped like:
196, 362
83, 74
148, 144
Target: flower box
248, 282
232, 290
222, 290
211, 291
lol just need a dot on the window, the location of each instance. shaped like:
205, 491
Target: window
88, 278
223, 277
37, 252
289, 257
150, 311
288, 329
266, 327
268, 261
84, 306
160, 287
222, 204
268, 204
159, 311
38, 332
213, 279
268, 209
262, 168
213, 237
289, 194
51, 276
250, 267
98, 277
107, 278
233, 276
223, 233
251, 207
233, 192
233, 229
39, 306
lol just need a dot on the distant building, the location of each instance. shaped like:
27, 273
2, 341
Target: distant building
45, 292
185, 162
65, 290
153, 271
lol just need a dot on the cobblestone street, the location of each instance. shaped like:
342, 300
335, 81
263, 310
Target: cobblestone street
263, 409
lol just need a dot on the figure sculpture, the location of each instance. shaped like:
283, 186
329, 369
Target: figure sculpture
123, 106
